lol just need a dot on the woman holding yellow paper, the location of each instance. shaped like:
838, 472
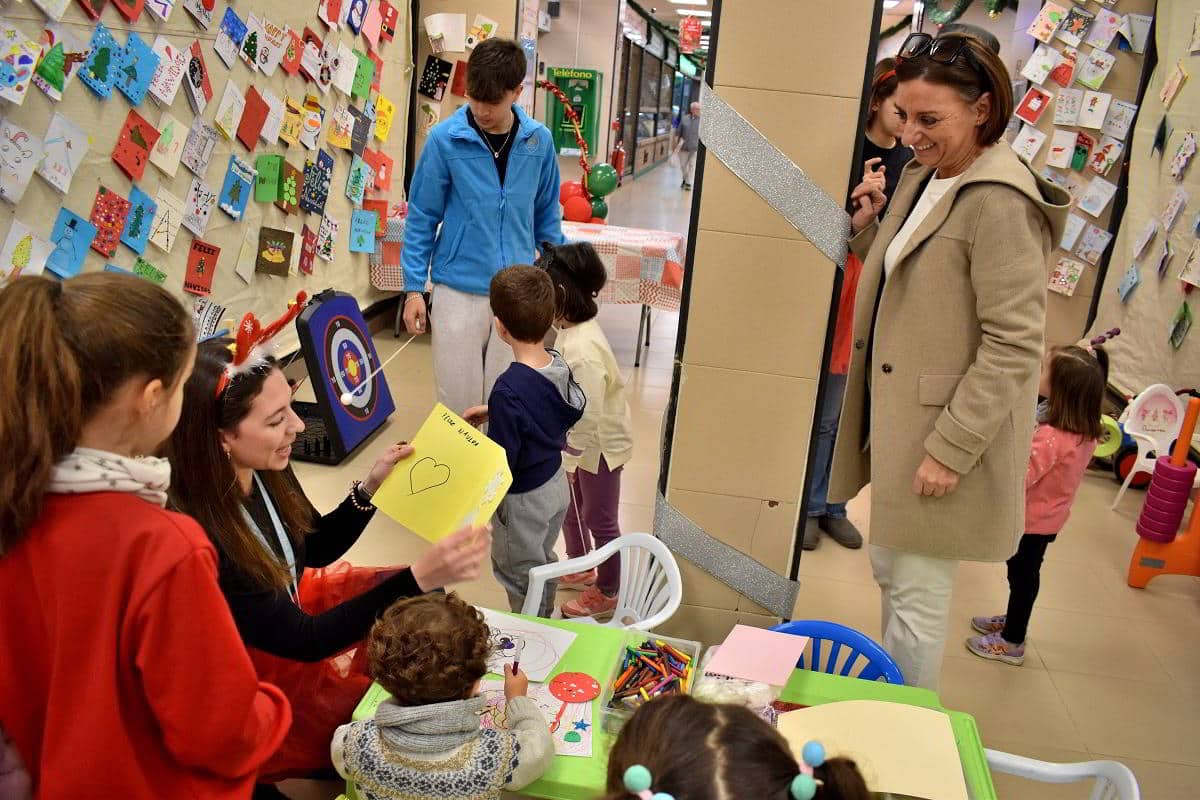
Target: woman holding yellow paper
230, 457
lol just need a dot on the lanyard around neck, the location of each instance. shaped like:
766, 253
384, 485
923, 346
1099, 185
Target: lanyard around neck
281, 536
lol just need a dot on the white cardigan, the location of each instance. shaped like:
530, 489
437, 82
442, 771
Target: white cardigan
606, 427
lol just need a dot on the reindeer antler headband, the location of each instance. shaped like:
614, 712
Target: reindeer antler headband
253, 344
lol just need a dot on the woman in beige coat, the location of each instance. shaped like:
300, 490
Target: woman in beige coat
940, 400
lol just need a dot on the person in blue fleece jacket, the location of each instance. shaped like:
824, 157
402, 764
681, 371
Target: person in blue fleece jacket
533, 405
488, 176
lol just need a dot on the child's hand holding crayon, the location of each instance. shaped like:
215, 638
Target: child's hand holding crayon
516, 683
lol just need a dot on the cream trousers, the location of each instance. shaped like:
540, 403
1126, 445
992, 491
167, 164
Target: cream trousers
468, 356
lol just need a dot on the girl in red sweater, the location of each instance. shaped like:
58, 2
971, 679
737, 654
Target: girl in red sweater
1073, 380
121, 671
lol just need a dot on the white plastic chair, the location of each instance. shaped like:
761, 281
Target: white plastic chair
1114, 780
1152, 420
651, 586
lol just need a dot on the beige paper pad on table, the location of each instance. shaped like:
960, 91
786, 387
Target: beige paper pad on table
456, 477
900, 749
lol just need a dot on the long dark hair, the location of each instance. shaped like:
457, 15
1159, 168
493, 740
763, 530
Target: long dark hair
69, 346
204, 482
578, 275
883, 86
1077, 380
703, 751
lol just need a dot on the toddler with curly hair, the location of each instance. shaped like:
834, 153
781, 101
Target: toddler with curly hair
429, 653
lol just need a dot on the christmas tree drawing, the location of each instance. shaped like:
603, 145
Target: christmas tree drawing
21, 253
135, 221
235, 193
52, 67
100, 64
250, 46
289, 190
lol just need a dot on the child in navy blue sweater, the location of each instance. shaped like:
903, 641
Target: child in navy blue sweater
532, 406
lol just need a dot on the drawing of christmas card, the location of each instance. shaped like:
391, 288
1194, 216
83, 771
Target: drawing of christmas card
390, 16
312, 116
1047, 21
197, 84
229, 110
140, 221
93, 7
291, 184
360, 134
373, 26
378, 79
1106, 154
24, 253
65, 55
1129, 282
198, 207
482, 29
274, 251
129, 9
1175, 79
385, 111
169, 148
308, 249
357, 180
99, 73
362, 231
1074, 227
1062, 147
20, 153
136, 140
70, 238
266, 186
1095, 241
1095, 69
274, 121
135, 65
207, 316
109, 212
1064, 71
1065, 276
1145, 237
165, 228
201, 267
428, 115
1183, 156
172, 66
293, 122
1094, 108
1174, 206
329, 65
341, 126
247, 254
248, 52
356, 15
458, 84
318, 174
458, 477
1180, 325
381, 165
327, 237
310, 55
201, 11
343, 66
1075, 26
235, 191
434, 77
1033, 105
1028, 142
271, 46
1191, 268
364, 75
1104, 29
1165, 255
380, 207
1036, 69
1083, 151
144, 269
161, 8
1119, 119
198, 149
18, 59
62, 152
230, 36
53, 9
1135, 32
254, 116
330, 12
1098, 195
290, 61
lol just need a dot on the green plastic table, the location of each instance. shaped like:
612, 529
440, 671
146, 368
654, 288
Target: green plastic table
595, 650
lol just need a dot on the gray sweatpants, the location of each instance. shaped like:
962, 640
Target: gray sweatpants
468, 356
524, 532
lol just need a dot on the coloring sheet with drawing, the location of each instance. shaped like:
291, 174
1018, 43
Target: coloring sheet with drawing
457, 477
540, 646
574, 734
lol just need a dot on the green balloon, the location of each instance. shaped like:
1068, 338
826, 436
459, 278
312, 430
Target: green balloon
602, 180
599, 207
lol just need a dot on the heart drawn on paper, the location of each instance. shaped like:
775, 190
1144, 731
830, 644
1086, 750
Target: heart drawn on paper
427, 474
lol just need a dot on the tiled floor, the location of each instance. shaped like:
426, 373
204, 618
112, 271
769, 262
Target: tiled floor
1111, 672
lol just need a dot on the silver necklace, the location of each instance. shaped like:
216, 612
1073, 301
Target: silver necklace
488, 142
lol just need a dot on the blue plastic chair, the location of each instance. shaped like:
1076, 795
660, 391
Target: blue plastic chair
872, 661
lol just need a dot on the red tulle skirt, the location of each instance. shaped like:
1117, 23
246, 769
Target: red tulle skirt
324, 693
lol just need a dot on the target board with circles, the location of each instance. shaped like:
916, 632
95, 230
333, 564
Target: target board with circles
341, 361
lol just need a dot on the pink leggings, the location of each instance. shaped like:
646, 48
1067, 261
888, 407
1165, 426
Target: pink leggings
591, 519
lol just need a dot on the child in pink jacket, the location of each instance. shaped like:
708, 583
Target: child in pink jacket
1073, 380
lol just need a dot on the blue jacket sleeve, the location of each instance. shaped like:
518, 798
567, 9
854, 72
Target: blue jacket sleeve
427, 198
547, 224
504, 426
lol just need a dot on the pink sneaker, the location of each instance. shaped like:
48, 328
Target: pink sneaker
578, 580
591, 603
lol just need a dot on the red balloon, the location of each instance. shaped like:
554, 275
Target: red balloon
570, 189
598, 221
577, 209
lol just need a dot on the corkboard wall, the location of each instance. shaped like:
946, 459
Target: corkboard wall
1142, 355
103, 120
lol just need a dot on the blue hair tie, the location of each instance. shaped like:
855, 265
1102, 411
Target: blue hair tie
637, 780
804, 786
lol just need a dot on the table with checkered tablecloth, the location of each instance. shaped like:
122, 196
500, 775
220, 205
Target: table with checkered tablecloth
644, 266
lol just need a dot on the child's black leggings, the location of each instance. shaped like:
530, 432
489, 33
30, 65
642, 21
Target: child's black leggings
1024, 579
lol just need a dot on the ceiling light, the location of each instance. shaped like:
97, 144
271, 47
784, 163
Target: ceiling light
687, 12
690, 2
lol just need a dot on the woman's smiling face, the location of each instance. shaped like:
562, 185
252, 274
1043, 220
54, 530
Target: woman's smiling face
939, 125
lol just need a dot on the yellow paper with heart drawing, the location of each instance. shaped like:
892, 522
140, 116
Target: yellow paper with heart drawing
455, 477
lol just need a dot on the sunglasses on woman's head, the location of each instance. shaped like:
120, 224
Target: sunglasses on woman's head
942, 50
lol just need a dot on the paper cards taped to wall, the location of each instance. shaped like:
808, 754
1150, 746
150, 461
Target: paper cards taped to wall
456, 477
